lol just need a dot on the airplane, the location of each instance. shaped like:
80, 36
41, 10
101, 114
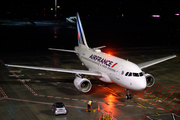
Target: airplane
71, 20
105, 67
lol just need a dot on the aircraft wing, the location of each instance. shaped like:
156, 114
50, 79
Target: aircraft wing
156, 61
85, 72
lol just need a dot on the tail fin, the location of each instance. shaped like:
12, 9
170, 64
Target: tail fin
80, 32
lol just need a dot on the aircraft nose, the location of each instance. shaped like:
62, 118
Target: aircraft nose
142, 84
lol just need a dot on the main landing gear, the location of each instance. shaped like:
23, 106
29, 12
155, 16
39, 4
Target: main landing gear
128, 96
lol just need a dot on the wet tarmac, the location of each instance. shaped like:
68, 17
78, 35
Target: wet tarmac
29, 94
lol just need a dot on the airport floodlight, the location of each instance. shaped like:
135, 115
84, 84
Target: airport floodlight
155, 15
122, 15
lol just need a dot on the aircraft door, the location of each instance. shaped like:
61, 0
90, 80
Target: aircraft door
118, 73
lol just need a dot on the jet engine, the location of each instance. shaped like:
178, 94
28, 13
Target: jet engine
149, 79
82, 84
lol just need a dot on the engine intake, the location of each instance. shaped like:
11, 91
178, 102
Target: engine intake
82, 84
150, 80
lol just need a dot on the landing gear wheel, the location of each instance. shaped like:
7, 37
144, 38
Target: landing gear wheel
128, 96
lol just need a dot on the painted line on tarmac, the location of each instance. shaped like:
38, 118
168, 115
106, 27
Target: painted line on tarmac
42, 95
50, 96
168, 96
142, 105
112, 92
161, 108
58, 97
177, 111
174, 105
66, 98
171, 101
130, 105
74, 99
4, 94
46, 103
32, 91
150, 107
139, 105
1, 98
157, 92
121, 104
144, 91
163, 94
151, 92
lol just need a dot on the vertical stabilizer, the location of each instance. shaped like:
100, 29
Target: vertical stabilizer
80, 32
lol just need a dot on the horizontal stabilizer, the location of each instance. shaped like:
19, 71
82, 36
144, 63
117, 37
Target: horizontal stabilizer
100, 47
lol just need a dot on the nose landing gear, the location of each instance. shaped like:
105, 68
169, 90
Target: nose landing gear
128, 96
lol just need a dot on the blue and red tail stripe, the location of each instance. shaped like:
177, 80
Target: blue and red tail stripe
81, 37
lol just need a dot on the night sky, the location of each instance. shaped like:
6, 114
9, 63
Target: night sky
122, 23
130, 8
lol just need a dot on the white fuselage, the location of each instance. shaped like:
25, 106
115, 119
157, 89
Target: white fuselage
113, 69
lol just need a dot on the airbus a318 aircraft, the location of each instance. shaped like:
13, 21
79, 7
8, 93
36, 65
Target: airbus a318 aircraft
106, 68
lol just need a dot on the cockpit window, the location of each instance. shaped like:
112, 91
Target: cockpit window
136, 74
126, 73
141, 74
130, 74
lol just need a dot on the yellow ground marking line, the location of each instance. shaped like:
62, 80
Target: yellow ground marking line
142, 105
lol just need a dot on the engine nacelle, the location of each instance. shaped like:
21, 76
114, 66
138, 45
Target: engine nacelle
82, 84
149, 79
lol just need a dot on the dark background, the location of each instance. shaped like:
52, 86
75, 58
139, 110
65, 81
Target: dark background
102, 21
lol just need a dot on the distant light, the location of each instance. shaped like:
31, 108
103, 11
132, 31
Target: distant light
58, 6
155, 15
55, 36
44, 9
177, 14
122, 15
51, 8
109, 54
